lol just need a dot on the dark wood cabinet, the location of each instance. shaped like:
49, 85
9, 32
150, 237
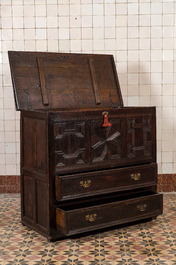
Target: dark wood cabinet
84, 155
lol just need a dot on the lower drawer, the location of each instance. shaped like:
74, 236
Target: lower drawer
76, 219
76, 186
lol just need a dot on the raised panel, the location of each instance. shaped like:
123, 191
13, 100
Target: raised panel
28, 198
34, 144
41, 155
42, 203
70, 143
139, 138
106, 143
29, 143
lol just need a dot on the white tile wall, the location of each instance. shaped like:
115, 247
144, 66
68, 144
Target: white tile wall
139, 33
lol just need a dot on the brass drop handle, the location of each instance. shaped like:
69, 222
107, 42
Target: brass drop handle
85, 184
142, 207
91, 217
136, 176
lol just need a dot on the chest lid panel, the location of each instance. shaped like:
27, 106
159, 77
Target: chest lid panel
64, 81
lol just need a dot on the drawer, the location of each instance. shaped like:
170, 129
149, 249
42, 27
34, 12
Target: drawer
82, 218
76, 186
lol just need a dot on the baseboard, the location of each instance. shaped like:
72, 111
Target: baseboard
166, 182
11, 184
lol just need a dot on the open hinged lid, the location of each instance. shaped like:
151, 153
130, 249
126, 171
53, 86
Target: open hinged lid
64, 81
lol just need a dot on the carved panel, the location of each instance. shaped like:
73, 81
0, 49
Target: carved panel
70, 143
34, 144
139, 138
106, 143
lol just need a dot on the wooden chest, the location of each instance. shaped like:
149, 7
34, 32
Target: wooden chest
87, 162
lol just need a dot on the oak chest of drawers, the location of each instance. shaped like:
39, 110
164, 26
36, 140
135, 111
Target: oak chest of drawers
87, 162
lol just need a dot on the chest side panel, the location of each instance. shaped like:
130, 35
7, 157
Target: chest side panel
34, 168
34, 144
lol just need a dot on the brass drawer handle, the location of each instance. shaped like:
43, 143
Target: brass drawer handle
91, 217
142, 207
136, 176
85, 184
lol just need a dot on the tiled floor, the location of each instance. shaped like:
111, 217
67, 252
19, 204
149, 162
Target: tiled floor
152, 243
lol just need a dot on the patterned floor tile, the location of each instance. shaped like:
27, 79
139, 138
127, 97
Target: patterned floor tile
150, 243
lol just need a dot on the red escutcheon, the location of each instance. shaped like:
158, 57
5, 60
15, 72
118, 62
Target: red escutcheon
106, 123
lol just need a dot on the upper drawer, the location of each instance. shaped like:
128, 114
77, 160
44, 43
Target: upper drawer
95, 183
